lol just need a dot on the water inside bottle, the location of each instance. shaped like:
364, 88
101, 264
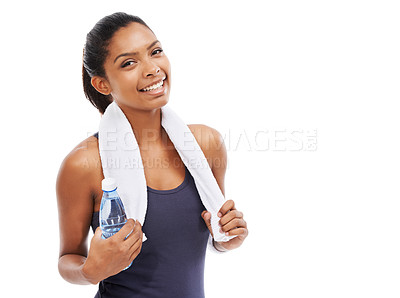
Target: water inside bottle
110, 226
112, 215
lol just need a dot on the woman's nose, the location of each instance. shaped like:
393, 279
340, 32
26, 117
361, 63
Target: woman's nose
150, 69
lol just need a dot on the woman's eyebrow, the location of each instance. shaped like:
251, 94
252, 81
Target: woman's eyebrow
134, 53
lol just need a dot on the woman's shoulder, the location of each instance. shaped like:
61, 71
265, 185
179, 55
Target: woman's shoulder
82, 162
210, 141
84, 154
206, 135
203, 129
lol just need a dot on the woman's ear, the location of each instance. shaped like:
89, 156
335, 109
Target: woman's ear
101, 85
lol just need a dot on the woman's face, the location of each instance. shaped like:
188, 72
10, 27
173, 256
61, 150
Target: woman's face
135, 67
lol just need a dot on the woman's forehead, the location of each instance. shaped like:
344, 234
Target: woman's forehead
133, 38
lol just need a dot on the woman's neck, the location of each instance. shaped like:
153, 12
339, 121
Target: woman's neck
146, 126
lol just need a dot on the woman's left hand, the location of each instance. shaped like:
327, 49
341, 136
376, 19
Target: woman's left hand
231, 223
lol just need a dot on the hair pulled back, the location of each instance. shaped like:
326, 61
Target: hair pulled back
95, 53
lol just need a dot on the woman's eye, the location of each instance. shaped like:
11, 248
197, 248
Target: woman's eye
157, 51
127, 63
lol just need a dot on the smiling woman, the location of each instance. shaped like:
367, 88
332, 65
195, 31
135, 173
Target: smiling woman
124, 64
137, 77
107, 69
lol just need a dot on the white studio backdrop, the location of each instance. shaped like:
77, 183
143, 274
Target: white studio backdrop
304, 93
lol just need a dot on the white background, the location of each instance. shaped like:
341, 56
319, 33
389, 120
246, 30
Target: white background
306, 93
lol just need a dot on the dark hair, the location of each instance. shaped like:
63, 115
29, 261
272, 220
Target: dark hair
95, 53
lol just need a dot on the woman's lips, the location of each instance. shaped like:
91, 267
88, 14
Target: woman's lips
155, 92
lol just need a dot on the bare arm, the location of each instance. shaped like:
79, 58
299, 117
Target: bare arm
212, 144
75, 207
231, 222
75, 183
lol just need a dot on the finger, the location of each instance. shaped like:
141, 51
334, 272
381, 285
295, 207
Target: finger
207, 219
137, 234
97, 233
136, 248
137, 243
125, 230
230, 216
234, 223
228, 205
238, 231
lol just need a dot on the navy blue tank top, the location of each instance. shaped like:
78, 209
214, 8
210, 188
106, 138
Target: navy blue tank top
171, 261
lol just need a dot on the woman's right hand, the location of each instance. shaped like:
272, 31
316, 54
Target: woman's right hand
110, 256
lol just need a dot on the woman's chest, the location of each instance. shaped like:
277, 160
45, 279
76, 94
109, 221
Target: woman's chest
162, 170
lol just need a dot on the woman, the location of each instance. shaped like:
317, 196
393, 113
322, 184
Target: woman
124, 62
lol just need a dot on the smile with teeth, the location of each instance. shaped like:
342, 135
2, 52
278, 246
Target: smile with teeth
153, 87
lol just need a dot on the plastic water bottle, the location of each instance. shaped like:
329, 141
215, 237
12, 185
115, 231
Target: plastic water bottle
112, 216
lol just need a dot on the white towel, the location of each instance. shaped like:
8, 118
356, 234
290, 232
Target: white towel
121, 159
